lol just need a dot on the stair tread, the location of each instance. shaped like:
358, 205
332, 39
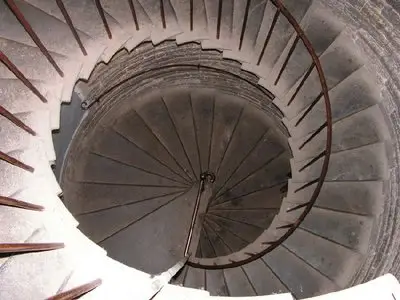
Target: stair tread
335, 261
261, 179
259, 218
29, 60
175, 215
219, 246
163, 18
105, 196
269, 198
367, 163
235, 243
203, 108
100, 169
195, 278
20, 224
335, 196
83, 15
15, 138
219, 29
263, 154
180, 108
321, 29
20, 99
238, 283
363, 128
114, 146
248, 134
54, 34
118, 280
247, 20
121, 11
147, 141
246, 232
25, 278
216, 284
33, 191
301, 280
196, 29
279, 37
226, 117
352, 96
349, 230
103, 224
338, 62
34, 157
259, 274
157, 118
205, 246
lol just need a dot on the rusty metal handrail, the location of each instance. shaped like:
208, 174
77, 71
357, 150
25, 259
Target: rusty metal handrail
282, 10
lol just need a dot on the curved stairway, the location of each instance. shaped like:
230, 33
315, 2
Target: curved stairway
260, 227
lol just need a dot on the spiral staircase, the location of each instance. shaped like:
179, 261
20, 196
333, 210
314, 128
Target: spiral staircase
257, 140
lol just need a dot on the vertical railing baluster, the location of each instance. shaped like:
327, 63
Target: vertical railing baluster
29, 247
219, 19
271, 29
77, 292
71, 25
301, 84
246, 15
7, 201
191, 14
134, 16
8, 115
162, 11
15, 162
103, 18
4, 59
292, 48
28, 28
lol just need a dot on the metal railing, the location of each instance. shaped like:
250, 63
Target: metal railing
281, 11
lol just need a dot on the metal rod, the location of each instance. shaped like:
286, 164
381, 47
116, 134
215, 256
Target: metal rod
301, 84
29, 247
28, 28
313, 135
219, 19
246, 15
4, 59
71, 26
203, 178
78, 291
309, 109
312, 161
271, 29
191, 14
103, 18
15, 162
162, 11
292, 48
8, 115
194, 217
20, 204
133, 11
